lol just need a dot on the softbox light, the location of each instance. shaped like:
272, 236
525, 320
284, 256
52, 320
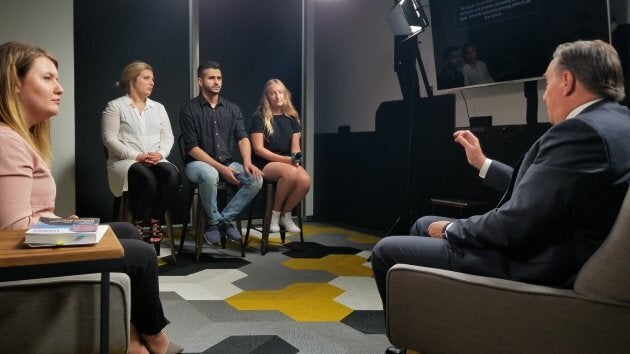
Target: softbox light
407, 18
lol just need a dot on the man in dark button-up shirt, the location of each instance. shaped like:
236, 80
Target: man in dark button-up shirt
210, 125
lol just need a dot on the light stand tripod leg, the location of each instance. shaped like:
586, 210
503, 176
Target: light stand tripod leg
407, 213
407, 53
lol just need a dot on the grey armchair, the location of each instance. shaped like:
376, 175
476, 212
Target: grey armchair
438, 311
61, 315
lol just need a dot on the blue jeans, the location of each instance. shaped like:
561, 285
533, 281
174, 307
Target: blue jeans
207, 178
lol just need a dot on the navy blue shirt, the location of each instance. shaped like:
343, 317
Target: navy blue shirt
213, 130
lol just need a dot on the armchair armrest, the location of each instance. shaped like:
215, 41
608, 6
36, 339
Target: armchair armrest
433, 310
61, 314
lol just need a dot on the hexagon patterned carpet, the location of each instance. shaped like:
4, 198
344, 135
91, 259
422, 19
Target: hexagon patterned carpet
316, 297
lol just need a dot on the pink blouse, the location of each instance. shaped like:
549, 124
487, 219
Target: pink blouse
27, 188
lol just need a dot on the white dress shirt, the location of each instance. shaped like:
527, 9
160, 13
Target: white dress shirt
127, 132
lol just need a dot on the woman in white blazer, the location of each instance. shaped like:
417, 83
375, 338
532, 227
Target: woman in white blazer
137, 134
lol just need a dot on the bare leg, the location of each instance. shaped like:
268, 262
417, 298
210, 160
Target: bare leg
302, 186
285, 177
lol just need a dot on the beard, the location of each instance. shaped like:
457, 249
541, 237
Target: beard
211, 89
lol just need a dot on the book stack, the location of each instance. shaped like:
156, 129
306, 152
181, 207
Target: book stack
50, 232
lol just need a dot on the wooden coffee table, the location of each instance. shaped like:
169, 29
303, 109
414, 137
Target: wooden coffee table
18, 262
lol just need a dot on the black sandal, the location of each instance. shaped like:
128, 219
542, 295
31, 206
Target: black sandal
155, 235
139, 228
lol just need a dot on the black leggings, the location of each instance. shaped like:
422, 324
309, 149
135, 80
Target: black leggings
140, 264
151, 189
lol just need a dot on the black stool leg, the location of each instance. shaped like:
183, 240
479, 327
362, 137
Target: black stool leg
249, 220
300, 225
182, 237
171, 235
269, 195
200, 227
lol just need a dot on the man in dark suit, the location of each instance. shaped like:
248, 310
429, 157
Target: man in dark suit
562, 198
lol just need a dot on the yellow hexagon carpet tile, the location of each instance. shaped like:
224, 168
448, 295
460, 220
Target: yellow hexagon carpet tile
303, 302
338, 264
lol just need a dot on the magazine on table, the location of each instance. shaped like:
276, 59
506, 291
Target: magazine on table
51, 232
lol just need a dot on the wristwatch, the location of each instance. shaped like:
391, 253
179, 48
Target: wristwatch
444, 235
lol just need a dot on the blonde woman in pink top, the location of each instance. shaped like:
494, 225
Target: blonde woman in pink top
30, 94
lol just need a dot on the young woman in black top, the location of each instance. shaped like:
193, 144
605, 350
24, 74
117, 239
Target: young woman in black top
275, 137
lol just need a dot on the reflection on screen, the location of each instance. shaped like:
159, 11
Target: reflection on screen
482, 42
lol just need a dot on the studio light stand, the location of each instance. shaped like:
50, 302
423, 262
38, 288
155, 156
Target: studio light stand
407, 20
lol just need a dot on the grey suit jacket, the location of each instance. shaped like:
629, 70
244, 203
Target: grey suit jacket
561, 202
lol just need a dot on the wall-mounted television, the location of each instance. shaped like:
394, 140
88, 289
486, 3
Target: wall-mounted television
507, 40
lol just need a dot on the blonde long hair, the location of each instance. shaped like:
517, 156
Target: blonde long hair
15, 61
265, 108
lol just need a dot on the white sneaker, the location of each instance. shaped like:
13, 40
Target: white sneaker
273, 224
287, 221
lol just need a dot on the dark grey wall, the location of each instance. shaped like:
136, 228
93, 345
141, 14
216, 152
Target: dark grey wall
254, 41
108, 36
390, 175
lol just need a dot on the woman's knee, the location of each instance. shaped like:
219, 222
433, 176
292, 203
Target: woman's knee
287, 174
141, 175
290, 174
304, 180
170, 173
138, 253
124, 230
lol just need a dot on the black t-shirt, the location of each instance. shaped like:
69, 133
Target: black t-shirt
280, 142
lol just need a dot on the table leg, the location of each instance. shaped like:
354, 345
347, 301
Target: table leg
104, 328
